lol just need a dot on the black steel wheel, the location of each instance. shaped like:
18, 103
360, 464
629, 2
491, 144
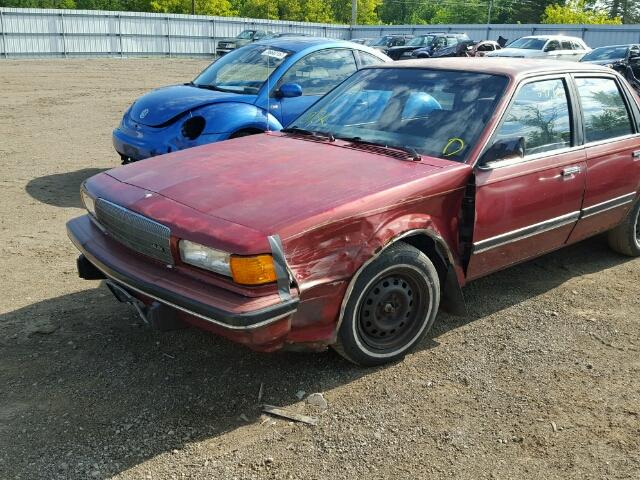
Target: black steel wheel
625, 238
391, 306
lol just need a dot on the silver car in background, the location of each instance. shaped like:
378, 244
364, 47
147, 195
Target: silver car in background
559, 47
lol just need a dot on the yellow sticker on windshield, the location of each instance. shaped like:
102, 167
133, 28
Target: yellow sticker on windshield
453, 146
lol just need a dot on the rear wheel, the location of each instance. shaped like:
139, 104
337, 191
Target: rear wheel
393, 304
625, 238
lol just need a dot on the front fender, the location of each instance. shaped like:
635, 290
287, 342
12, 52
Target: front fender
230, 117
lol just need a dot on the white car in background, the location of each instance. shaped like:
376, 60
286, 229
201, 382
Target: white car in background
560, 47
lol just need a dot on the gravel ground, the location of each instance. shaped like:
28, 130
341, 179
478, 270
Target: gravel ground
539, 381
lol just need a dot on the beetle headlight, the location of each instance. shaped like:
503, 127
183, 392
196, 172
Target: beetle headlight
245, 270
193, 127
88, 201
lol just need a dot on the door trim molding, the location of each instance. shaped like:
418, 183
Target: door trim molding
525, 232
608, 205
551, 224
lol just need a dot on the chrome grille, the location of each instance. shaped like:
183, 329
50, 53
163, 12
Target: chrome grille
135, 231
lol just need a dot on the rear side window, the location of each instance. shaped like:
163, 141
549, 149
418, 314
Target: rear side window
319, 72
605, 113
540, 115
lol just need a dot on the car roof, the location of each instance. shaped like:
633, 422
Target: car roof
553, 37
627, 45
297, 44
510, 67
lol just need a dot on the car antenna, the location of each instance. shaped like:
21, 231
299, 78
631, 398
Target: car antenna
266, 117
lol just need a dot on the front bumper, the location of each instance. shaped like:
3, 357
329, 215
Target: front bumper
211, 305
148, 142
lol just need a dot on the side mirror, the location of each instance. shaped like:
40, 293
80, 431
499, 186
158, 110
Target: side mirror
503, 150
289, 90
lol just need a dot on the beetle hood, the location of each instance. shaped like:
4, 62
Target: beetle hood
279, 184
162, 106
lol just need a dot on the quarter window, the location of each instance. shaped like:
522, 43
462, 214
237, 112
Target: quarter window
368, 59
604, 110
540, 115
319, 72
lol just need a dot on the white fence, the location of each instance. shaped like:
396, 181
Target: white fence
40, 32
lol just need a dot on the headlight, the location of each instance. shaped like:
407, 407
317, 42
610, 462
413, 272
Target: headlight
193, 127
88, 201
205, 257
249, 270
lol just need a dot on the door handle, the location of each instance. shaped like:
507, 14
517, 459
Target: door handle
571, 171
636, 155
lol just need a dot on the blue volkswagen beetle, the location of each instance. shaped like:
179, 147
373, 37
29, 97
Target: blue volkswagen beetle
262, 86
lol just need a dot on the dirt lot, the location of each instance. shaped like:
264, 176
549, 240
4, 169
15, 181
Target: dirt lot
541, 380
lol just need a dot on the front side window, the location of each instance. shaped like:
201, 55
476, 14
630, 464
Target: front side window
243, 70
552, 46
438, 113
540, 115
566, 45
604, 109
420, 41
319, 72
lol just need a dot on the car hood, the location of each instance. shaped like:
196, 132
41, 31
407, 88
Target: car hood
278, 184
162, 106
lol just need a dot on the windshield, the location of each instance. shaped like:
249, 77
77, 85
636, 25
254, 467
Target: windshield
246, 35
528, 43
434, 112
420, 41
606, 53
380, 41
242, 71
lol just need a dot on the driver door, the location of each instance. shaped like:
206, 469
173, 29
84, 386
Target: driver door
526, 206
316, 73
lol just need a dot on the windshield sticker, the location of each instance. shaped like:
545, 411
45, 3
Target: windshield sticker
274, 54
453, 146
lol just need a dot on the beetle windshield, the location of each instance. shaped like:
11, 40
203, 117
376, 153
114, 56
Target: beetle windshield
242, 71
438, 113
606, 53
528, 43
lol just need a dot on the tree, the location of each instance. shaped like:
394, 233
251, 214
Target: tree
576, 11
202, 7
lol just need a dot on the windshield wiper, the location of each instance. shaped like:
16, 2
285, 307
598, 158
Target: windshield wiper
310, 133
415, 156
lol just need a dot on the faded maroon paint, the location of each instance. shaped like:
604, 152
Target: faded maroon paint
334, 207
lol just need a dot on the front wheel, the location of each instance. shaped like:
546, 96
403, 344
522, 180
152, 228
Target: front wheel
625, 238
393, 304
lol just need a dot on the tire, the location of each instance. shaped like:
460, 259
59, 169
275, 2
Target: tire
625, 238
392, 306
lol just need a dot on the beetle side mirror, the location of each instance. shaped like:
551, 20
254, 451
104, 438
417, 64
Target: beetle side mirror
289, 90
503, 150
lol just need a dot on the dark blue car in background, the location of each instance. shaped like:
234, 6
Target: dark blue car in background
259, 87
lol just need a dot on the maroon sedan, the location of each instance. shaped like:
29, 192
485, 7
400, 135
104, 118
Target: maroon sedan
351, 227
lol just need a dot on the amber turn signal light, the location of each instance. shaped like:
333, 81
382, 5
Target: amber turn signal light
253, 270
